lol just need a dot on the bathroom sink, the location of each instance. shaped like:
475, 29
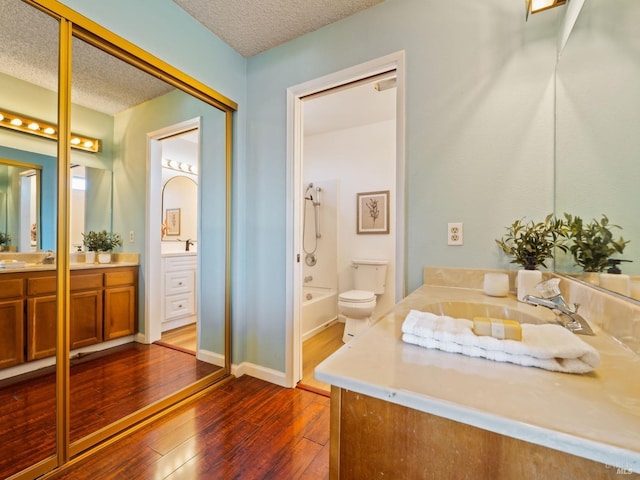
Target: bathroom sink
470, 310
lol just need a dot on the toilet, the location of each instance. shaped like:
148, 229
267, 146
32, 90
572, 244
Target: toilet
357, 305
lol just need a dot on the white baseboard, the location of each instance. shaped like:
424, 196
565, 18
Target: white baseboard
319, 328
263, 373
210, 357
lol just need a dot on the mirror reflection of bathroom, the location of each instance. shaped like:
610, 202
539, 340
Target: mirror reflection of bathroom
179, 240
91, 191
349, 148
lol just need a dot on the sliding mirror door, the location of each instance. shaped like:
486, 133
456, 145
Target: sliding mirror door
29, 41
122, 366
114, 369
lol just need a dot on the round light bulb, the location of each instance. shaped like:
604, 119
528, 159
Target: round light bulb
34, 126
49, 131
75, 141
17, 122
88, 144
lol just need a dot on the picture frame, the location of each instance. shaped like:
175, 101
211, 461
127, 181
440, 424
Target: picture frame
373, 212
172, 221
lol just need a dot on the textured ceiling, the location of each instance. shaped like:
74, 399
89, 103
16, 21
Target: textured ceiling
29, 43
29, 51
253, 26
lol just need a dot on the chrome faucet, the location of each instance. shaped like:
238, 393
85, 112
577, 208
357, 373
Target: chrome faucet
49, 258
188, 243
553, 300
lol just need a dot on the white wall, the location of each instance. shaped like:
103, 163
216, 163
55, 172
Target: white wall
362, 159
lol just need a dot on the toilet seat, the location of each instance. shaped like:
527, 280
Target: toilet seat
356, 296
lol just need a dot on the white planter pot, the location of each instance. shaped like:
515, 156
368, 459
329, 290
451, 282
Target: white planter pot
526, 283
90, 257
104, 257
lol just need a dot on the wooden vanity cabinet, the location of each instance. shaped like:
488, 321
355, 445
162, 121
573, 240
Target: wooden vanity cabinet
41, 315
120, 301
103, 306
11, 321
86, 309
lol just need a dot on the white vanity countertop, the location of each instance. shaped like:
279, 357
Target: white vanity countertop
595, 415
179, 254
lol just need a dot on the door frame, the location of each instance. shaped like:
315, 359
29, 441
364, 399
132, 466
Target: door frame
295, 131
153, 240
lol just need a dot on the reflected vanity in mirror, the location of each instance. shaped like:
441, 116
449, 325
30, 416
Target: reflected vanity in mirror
19, 206
597, 119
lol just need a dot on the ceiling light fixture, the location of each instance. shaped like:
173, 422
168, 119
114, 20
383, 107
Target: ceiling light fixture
535, 6
20, 123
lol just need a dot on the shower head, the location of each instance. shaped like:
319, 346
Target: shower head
307, 195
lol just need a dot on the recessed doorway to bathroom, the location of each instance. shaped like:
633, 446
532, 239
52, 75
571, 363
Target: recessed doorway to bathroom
348, 147
178, 210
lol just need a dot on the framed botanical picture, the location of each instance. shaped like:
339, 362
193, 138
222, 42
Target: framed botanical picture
172, 221
373, 212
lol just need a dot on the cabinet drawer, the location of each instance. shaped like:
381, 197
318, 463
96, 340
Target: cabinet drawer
178, 283
41, 285
12, 288
185, 262
90, 281
114, 279
179, 305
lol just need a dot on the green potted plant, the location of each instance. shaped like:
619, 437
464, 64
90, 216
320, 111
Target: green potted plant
101, 242
5, 239
531, 244
593, 243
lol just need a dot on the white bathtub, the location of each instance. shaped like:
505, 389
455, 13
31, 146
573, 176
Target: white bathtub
319, 308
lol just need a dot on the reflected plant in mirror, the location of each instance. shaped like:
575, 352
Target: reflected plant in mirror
593, 244
101, 241
5, 240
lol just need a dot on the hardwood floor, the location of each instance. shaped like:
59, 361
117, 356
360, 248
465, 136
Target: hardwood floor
247, 429
104, 387
316, 349
182, 338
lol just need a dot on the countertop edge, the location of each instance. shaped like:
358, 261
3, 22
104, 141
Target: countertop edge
603, 453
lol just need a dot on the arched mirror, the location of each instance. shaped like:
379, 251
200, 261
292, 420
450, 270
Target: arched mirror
112, 373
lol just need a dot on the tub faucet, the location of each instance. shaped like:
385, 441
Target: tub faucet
576, 323
188, 243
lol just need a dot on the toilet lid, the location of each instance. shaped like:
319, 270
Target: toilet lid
357, 296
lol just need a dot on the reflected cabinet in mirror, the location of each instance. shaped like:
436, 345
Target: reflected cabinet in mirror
120, 364
597, 140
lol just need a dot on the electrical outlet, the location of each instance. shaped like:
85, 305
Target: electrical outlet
132, 236
454, 234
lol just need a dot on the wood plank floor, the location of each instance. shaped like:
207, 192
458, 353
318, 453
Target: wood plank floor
247, 429
182, 338
316, 349
103, 388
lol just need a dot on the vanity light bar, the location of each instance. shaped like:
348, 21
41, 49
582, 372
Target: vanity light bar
535, 6
179, 166
19, 123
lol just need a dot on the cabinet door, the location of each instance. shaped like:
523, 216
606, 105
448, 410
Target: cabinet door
11, 333
41, 327
119, 312
86, 318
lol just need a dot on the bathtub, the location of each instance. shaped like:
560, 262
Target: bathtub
319, 309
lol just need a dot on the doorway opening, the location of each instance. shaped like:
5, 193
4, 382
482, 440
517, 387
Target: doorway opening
346, 140
172, 318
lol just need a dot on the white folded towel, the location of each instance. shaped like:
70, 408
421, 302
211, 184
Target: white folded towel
547, 346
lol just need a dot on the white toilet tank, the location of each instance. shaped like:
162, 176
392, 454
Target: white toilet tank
370, 275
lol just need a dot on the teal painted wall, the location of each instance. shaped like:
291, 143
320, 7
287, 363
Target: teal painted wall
479, 136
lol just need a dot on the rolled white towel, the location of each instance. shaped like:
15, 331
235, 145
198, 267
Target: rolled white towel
547, 346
